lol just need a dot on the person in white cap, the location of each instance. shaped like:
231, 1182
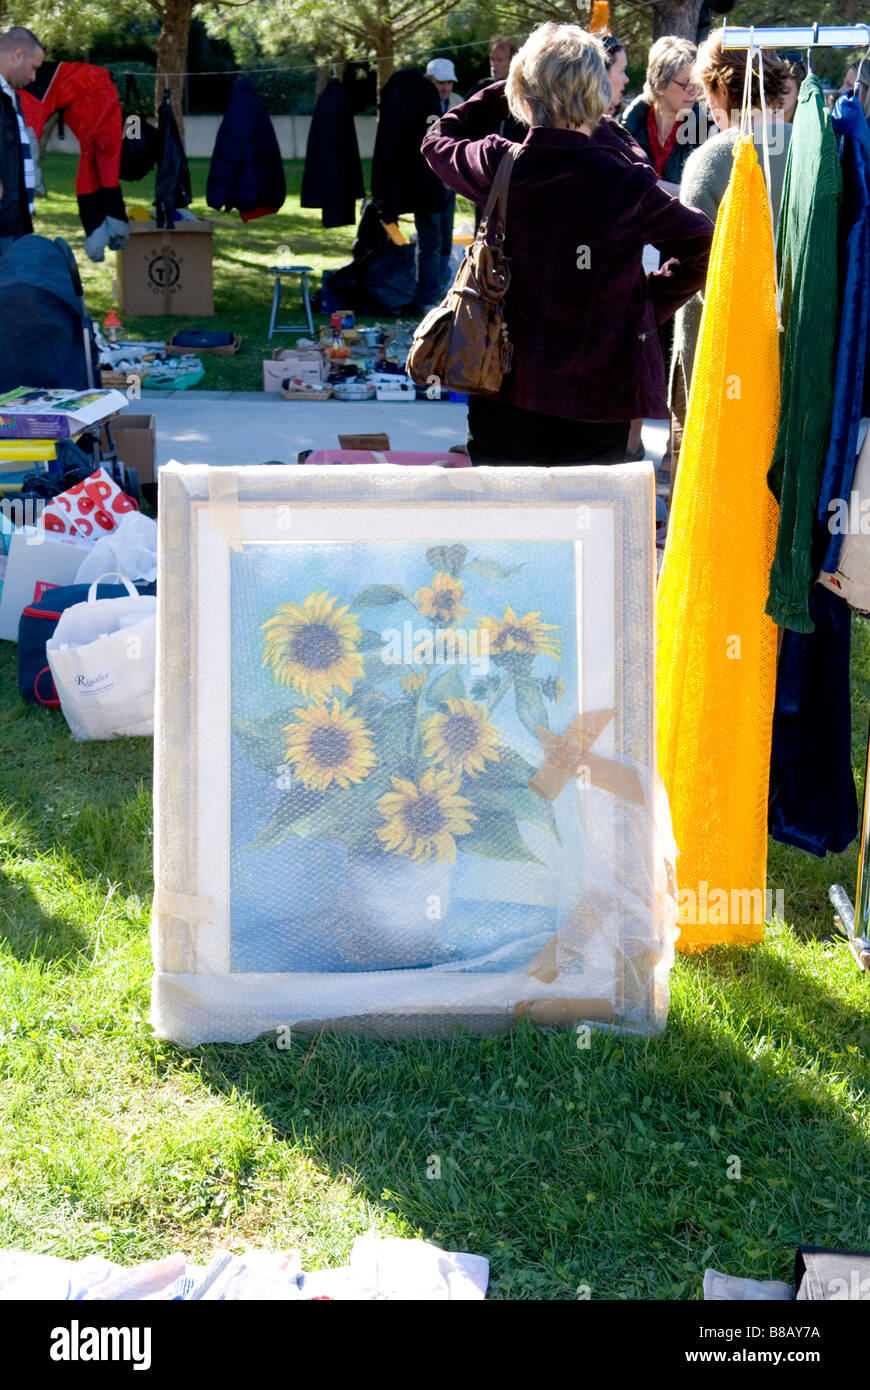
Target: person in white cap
435, 229
442, 72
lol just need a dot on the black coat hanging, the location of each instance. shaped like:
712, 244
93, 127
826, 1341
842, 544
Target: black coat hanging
333, 177
172, 189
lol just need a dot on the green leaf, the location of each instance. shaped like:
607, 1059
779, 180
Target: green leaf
447, 557
520, 802
393, 729
370, 639
262, 740
293, 804
495, 836
531, 709
378, 596
448, 686
343, 812
511, 770
490, 570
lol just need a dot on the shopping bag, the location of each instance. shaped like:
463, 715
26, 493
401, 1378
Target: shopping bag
102, 657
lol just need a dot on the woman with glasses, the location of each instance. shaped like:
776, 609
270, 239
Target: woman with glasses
580, 312
665, 119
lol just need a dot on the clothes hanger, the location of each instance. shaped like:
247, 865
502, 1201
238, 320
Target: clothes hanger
814, 43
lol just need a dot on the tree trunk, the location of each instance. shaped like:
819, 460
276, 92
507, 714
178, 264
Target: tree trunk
385, 40
172, 56
678, 18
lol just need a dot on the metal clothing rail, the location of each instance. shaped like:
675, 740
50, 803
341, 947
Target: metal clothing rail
851, 921
802, 36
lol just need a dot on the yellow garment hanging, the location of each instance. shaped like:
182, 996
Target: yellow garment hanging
716, 648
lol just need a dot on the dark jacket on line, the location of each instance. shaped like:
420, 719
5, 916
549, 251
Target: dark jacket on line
401, 179
246, 170
14, 212
333, 177
581, 313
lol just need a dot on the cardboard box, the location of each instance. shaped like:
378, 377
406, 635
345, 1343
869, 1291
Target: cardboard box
167, 272
392, 387
364, 441
308, 364
135, 440
35, 563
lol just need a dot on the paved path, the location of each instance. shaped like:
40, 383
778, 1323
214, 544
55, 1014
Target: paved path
233, 427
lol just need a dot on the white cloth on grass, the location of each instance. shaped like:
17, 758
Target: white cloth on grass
380, 1268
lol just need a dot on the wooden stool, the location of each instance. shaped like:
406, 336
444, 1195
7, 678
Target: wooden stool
303, 271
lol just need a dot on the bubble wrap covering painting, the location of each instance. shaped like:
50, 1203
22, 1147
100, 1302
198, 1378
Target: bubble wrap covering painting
405, 768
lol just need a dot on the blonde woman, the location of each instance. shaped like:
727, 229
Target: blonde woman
580, 311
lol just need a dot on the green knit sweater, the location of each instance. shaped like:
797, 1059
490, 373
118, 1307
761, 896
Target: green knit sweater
807, 258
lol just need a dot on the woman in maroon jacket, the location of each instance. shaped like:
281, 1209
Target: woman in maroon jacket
580, 311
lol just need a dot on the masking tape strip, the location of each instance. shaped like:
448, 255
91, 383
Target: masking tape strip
561, 1013
182, 907
569, 756
590, 914
223, 505
174, 953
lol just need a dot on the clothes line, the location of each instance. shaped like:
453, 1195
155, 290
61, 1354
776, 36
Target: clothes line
803, 36
306, 67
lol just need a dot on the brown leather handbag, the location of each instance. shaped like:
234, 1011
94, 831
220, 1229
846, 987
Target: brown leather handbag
463, 342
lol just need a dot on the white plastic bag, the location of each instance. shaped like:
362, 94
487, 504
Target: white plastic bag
102, 658
130, 550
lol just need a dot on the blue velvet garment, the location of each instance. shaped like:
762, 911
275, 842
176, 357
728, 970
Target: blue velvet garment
851, 393
813, 804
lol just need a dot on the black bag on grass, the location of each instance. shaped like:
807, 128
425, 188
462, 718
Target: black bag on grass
37, 624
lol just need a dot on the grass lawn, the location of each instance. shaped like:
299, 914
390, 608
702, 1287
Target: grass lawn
610, 1169
243, 253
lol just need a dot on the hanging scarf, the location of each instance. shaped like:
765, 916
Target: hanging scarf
716, 659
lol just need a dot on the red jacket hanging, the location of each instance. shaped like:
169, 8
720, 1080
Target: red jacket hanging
89, 104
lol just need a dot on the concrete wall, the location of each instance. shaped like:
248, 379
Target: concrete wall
201, 132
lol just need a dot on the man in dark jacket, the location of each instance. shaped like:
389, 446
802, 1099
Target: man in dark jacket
21, 54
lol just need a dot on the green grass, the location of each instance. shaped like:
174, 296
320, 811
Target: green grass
243, 253
605, 1167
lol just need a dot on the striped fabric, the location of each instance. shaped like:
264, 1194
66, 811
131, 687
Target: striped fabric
26, 156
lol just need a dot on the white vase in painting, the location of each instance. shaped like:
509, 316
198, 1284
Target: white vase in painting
394, 911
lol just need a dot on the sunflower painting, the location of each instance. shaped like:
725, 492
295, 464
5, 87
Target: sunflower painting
397, 723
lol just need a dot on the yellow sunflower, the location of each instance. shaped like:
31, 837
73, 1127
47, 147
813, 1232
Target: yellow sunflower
313, 646
524, 635
442, 601
423, 819
329, 745
462, 739
414, 682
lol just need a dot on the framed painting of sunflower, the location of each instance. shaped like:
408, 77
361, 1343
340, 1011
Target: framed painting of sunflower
405, 756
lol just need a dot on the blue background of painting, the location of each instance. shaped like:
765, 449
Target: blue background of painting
281, 899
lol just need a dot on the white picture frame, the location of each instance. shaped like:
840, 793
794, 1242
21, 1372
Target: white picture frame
233, 542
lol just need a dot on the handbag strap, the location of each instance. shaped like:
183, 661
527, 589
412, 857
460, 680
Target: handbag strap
496, 203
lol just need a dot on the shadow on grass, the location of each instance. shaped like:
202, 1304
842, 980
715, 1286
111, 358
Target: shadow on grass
29, 931
613, 1166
